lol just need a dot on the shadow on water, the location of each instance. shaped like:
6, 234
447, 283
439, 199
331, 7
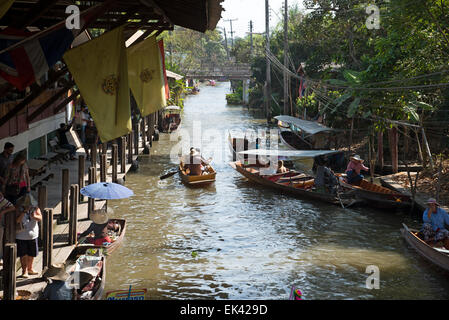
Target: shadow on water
238, 240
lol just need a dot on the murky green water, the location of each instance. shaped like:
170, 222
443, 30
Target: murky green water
252, 242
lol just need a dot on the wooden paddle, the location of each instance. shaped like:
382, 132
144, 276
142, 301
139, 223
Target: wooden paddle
168, 175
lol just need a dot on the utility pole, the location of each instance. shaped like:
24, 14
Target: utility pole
226, 42
251, 37
268, 82
232, 32
286, 98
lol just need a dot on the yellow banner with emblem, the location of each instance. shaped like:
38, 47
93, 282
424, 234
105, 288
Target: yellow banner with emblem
100, 70
146, 78
4, 6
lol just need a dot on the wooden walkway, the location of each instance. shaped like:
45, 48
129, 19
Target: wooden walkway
61, 249
420, 199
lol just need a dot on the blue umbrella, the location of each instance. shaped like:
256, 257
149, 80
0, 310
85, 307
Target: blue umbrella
106, 191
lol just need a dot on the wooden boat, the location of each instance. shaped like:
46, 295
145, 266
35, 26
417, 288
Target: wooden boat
438, 256
292, 182
293, 141
377, 196
116, 242
81, 259
171, 119
298, 134
207, 178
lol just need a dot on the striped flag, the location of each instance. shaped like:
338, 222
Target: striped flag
26, 56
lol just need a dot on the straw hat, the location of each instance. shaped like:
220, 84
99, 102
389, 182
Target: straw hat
99, 217
56, 272
26, 201
356, 158
434, 201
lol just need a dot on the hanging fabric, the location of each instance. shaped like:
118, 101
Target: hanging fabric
146, 78
100, 70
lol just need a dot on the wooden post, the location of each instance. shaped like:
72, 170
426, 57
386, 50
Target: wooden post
142, 131
426, 145
93, 156
123, 155
393, 139
9, 271
47, 252
130, 148
81, 170
245, 148
73, 230
10, 230
42, 200
103, 167
136, 139
91, 201
65, 197
380, 149
114, 162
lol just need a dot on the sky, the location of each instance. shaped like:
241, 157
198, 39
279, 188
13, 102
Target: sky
246, 10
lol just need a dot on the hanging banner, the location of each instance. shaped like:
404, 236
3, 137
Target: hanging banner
145, 76
100, 70
162, 50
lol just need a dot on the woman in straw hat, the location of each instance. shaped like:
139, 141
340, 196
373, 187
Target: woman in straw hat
28, 217
353, 172
99, 227
435, 219
58, 287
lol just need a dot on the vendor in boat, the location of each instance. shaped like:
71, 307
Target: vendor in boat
281, 167
99, 227
325, 180
435, 219
353, 172
195, 164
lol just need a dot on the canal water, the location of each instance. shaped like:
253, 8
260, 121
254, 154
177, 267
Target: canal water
236, 240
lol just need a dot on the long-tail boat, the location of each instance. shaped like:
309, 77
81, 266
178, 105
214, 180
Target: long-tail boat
436, 255
293, 182
377, 196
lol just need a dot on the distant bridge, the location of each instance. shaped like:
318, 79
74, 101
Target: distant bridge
230, 71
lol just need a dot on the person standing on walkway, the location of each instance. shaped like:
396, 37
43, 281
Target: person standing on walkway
28, 217
5, 207
5, 160
91, 138
64, 142
434, 221
17, 179
84, 121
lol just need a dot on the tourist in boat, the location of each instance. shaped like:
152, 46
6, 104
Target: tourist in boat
99, 227
194, 163
434, 221
58, 287
281, 167
353, 172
